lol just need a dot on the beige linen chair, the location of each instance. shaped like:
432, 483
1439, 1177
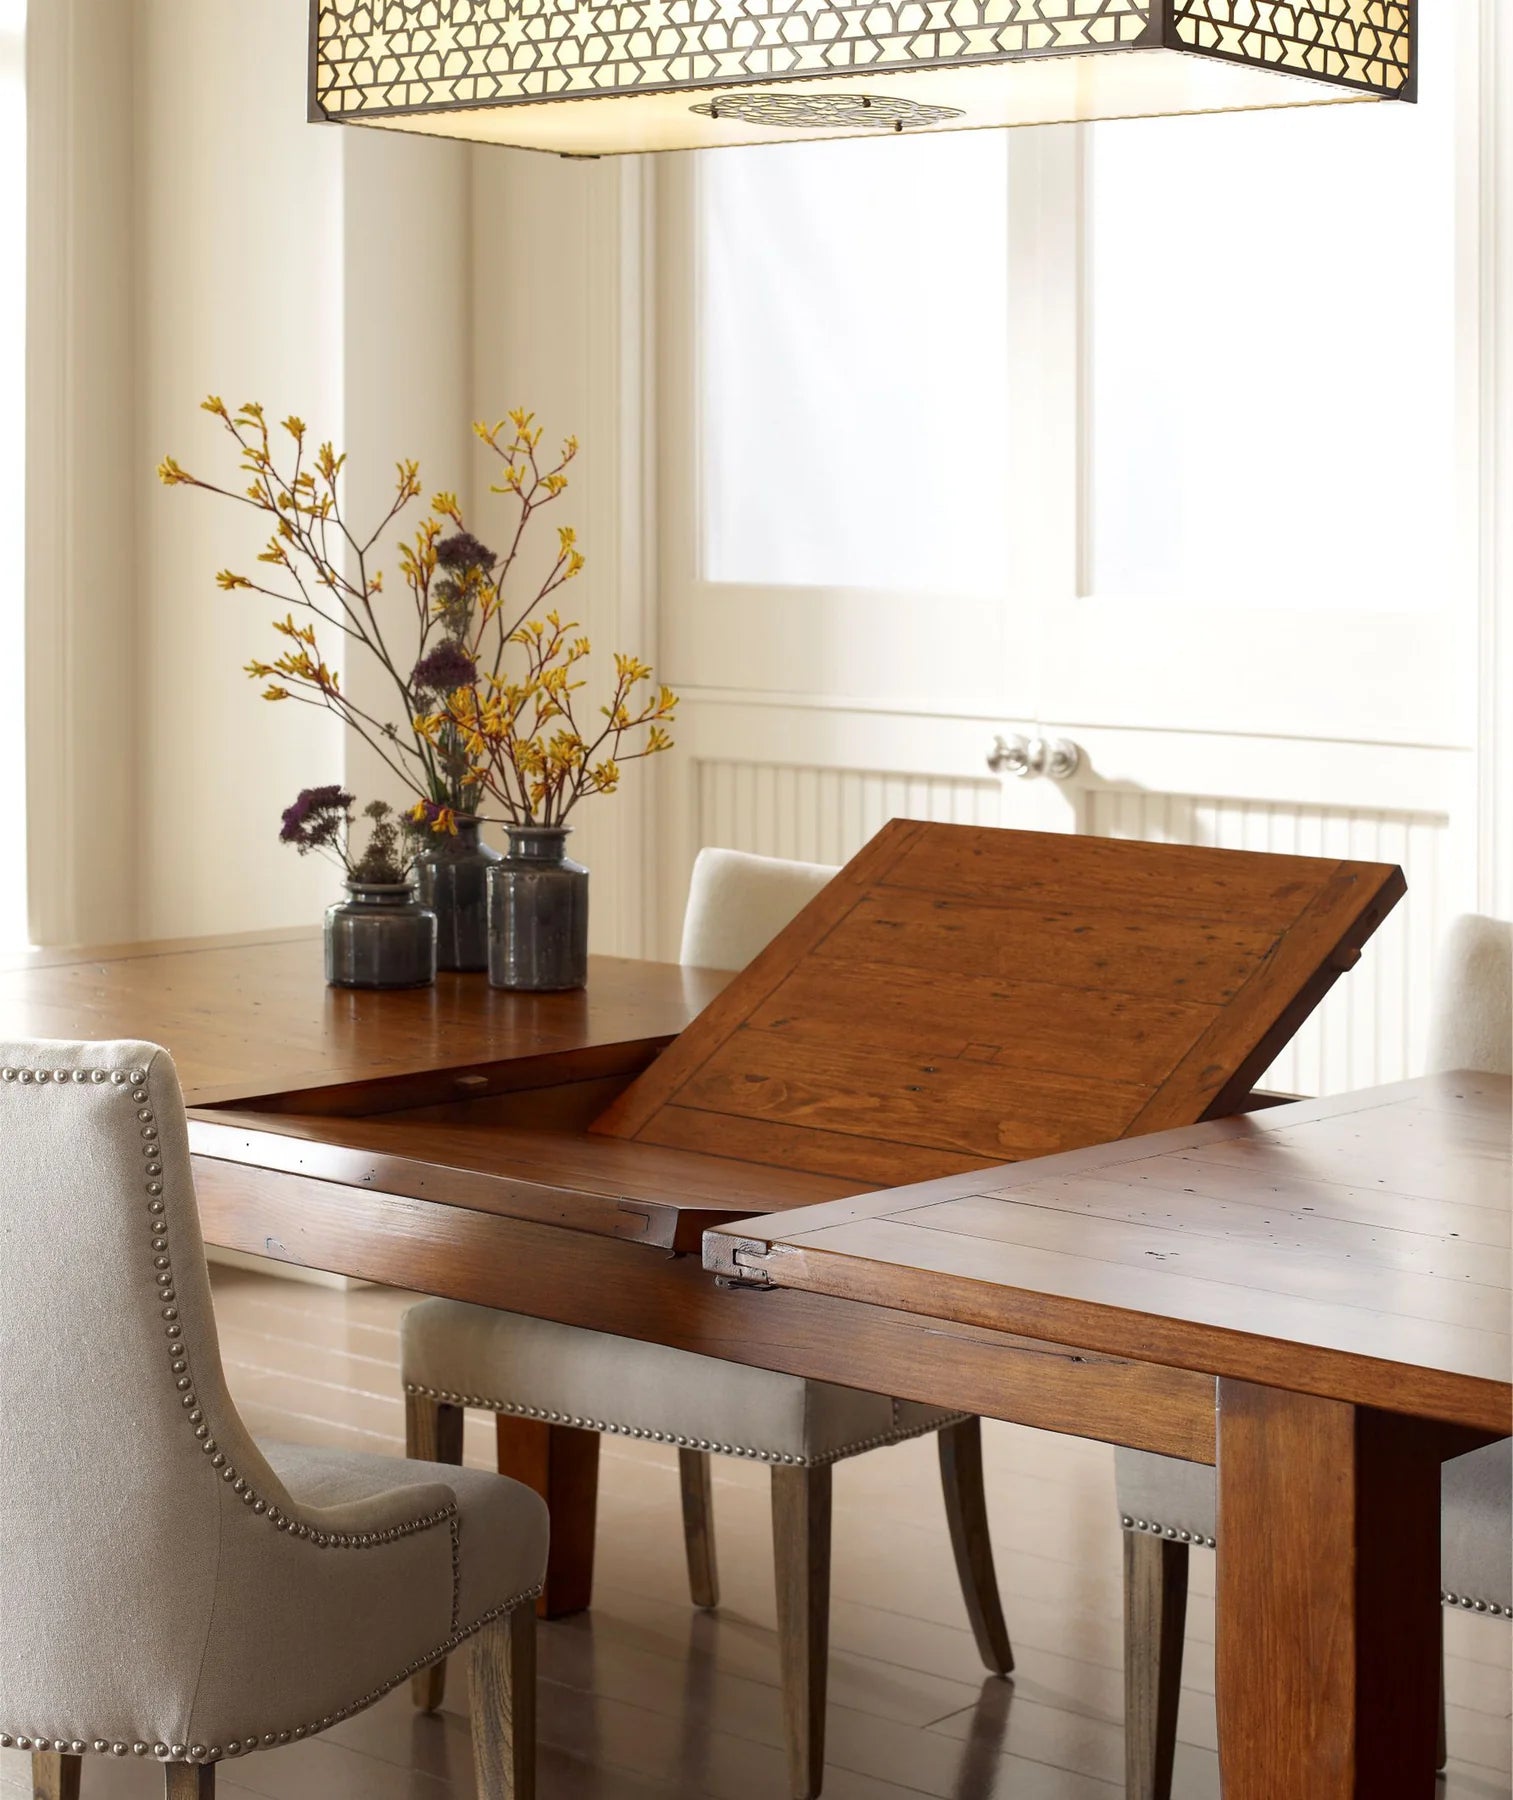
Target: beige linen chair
454, 1356
173, 1589
1166, 1506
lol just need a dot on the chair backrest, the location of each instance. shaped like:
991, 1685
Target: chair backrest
1472, 1025
738, 903
119, 1445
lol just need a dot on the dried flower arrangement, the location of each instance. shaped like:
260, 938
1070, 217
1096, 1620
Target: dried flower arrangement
473, 731
321, 819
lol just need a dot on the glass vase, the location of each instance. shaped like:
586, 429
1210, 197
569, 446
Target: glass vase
451, 877
538, 912
380, 936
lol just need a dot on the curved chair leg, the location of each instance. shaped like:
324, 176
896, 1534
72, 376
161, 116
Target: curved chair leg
801, 1543
1155, 1617
502, 1700
55, 1775
189, 1781
433, 1433
967, 1515
698, 1527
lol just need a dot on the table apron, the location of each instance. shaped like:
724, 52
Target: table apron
636, 1291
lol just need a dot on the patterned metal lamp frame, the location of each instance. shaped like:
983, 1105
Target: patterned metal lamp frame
589, 77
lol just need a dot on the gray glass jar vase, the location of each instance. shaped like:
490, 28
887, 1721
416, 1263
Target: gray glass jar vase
538, 912
380, 936
451, 878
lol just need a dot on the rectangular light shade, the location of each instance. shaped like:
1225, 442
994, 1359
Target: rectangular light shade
588, 79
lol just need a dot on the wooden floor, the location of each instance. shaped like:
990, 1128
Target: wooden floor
646, 1698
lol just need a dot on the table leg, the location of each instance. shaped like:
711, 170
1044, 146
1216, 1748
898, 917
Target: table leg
1327, 1596
562, 1464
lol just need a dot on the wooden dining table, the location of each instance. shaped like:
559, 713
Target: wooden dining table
1330, 1281
955, 997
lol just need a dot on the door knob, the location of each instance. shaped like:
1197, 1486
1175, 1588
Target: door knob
1057, 757
1010, 756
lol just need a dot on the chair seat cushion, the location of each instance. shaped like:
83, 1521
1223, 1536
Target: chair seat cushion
1159, 1493
564, 1374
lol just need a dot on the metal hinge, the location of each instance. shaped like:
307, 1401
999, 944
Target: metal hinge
736, 1262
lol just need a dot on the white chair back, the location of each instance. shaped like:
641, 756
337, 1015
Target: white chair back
116, 1430
738, 903
1472, 1024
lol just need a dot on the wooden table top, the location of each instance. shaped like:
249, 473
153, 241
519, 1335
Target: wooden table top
961, 995
250, 1016
1355, 1248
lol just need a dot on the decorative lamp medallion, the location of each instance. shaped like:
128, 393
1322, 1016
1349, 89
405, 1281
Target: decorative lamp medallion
835, 114
594, 77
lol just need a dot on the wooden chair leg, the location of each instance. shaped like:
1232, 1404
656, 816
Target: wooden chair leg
55, 1775
561, 1462
698, 1526
502, 1700
967, 1515
801, 1544
1155, 1618
189, 1781
433, 1433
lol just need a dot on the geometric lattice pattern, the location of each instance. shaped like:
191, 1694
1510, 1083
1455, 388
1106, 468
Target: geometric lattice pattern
835, 113
409, 55
379, 58
1358, 43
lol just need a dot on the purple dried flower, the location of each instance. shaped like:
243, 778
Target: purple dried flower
316, 818
463, 551
447, 667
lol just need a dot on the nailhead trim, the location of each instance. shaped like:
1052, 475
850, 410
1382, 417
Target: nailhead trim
1465, 1601
1167, 1531
135, 1081
898, 1435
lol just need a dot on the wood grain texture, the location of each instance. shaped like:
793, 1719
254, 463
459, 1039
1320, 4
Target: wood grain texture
189, 1781
1322, 1292
561, 1464
960, 1450
251, 1018
55, 1775
801, 1519
1155, 1614
1327, 1656
642, 1192
960, 996
581, 1278
696, 1492
502, 1704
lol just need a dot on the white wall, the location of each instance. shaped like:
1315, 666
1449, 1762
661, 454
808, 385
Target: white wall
214, 242
560, 326
238, 283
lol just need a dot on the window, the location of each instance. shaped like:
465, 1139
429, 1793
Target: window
1271, 356
13, 465
854, 318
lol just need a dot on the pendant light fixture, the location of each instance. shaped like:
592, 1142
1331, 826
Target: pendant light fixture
595, 77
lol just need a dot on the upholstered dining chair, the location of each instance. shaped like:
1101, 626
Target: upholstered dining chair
1167, 1507
455, 1356
173, 1589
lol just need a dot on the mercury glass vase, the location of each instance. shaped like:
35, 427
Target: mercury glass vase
380, 936
451, 878
538, 912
